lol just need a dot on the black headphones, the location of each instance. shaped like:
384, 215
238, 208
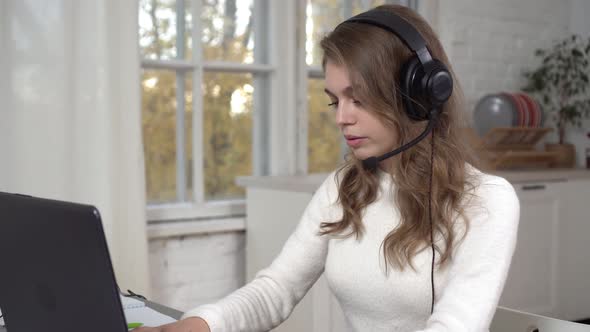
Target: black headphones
424, 81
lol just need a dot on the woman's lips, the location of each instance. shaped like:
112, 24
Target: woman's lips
355, 141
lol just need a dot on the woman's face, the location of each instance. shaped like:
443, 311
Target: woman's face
365, 133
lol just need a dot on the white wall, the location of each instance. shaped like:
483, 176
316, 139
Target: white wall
489, 43
197, 269
580, 25
579, 12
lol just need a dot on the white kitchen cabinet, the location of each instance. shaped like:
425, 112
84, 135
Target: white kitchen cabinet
532, 280
573, 284
550, 272
271, 217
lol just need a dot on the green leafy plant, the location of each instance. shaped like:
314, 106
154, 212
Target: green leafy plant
561, 82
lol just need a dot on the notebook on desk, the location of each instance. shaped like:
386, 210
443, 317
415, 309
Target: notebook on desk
56, 269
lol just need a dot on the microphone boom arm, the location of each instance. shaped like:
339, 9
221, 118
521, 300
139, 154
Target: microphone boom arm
372, 162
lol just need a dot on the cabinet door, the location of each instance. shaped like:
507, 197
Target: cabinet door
272, 215
574, 258
531, 282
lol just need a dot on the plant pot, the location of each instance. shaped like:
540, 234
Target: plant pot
565, 154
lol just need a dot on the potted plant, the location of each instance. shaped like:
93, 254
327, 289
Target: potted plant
561, 86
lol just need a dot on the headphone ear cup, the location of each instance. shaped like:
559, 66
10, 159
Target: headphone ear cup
411, 76
424, 92
439, 84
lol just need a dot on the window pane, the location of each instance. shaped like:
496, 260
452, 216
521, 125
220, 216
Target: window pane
165, 29
324, 138
227, 29
159, 122
227, 107
322, 16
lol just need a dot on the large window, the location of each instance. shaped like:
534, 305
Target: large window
204, 69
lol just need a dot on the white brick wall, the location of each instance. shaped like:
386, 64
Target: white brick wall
580, 25
193, 270
489, 44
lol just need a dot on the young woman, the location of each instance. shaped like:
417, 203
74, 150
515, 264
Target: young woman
417, 241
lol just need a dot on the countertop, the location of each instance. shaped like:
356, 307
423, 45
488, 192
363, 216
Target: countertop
309, 183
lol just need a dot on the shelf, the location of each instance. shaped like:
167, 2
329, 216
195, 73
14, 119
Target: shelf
512, 148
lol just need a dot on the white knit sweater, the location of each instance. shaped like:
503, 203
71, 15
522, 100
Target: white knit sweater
467, 290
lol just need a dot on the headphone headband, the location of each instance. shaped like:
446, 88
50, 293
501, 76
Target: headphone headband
425, 83
399, 27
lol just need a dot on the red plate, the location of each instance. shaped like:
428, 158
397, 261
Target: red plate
519, 107
525, 109
516, 113
530, 107
538, 111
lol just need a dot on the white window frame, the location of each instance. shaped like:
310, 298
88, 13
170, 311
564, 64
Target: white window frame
199, 208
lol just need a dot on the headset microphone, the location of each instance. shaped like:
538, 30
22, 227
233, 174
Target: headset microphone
372, 162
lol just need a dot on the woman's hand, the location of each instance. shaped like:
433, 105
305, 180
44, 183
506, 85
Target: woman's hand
191, 324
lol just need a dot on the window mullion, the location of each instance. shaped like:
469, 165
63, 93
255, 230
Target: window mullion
315, 72
346, 9
234, 67
180, 106
180, 138
282, 99
172, 64
301, 88
260, 150
198, 153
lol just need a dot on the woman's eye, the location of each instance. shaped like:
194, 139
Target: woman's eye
333, 104
357, 102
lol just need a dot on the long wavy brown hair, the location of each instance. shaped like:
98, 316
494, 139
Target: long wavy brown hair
374, 58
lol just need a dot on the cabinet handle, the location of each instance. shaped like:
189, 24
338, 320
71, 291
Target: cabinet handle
534, 187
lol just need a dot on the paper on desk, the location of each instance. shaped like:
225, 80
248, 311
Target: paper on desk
137, 312
130, 303
147, 316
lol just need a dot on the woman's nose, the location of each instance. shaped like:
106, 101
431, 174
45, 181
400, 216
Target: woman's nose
345, 114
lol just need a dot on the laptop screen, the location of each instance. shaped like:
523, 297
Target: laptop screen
56, 270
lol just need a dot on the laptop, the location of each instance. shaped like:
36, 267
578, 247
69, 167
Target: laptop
55, 269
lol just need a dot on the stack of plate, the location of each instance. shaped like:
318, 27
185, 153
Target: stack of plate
506, 110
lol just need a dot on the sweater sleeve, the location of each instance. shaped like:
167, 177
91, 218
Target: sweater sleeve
480, 265
270, 297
